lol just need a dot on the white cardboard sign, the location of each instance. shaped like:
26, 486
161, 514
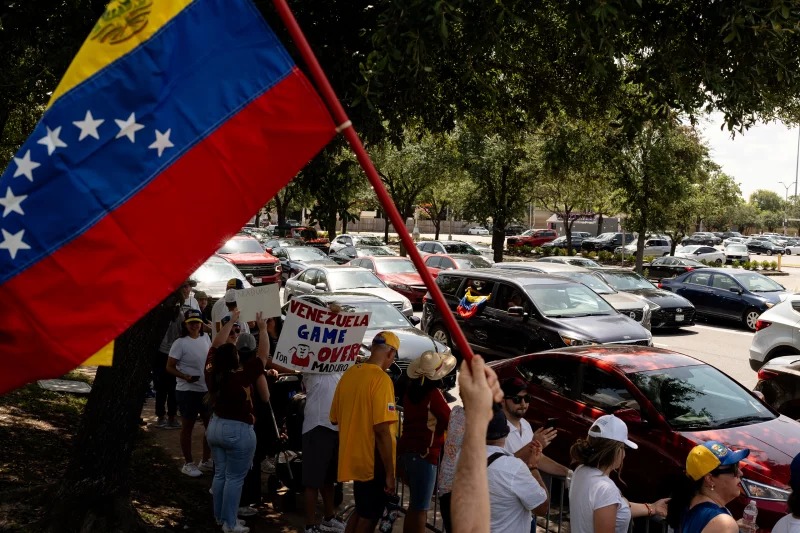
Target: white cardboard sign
265, 298
318, 341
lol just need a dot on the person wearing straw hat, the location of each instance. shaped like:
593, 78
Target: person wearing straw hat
425, 419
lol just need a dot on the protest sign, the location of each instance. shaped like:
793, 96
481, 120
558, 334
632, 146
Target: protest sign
265, 298
314, 339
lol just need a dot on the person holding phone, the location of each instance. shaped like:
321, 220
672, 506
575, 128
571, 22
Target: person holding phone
187, 357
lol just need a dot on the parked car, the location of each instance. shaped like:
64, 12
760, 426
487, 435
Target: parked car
295, 259
669, 266
736, 252
777, 332
672, 311
628, 304
282, 242
561, 242
606, 241
399, 273
734, 240
438, 262
477, 230
733, 294
261, 234
574, 260
701, 253
514, 229
670, 402
447, 247
730, 235
348, 253
652, 247
384, 317
762, 245
347, 239
554, 312
532, 238
792, 247
701, 238
779, 382
344, 278
250, 258
485, 251
213, 275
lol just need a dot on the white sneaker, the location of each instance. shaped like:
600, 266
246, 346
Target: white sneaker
238, 528
334, 525
190, 469
247, 511
206, 466
238, 522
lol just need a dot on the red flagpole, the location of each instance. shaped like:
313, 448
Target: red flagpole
346, 127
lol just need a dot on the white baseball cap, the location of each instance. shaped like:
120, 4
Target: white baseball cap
230, 296
612, 428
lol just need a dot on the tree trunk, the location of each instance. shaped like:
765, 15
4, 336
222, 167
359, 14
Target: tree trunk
94, 494
599, 223
639, 249
330, 226
344, 226
437, 226
386, 229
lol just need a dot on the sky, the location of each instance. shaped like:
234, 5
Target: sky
761, 158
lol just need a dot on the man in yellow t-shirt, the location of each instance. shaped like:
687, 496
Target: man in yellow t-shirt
363, 407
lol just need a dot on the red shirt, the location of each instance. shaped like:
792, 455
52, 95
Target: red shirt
235, 399
424, 426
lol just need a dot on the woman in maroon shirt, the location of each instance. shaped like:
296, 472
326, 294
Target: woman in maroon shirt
230, 432
425, 418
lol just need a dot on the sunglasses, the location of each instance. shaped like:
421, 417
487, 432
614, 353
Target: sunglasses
236, 331
733, 471
519, 399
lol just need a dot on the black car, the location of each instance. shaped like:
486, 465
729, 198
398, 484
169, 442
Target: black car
701, 237
779, 382
668, 266
561, 242
514, 229
606, 241
763, 246
348, 253
527, 312
735, 294
673, 311
295, 259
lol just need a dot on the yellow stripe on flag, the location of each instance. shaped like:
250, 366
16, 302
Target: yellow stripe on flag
124, 26
104, 357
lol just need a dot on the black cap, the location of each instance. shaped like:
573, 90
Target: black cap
498, 426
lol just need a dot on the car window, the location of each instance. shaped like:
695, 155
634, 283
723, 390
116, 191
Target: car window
755, 282
304, 253
698, 278
559, 301
605, 391
459, 248
556, 375
396, 266
446, 262
480, 287
473, 262
366, 263
432, 262
238, 246
355, 262
508, 296
706, 250
341, 280
339, 240
426, 247
448, 284
308, 276
321, 277
721, 281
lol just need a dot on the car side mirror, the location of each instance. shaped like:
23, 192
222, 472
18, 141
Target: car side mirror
249, 278
268, 250
516, 311
415, 320
321, 287
737, 290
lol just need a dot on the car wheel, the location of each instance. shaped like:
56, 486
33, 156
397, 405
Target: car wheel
769, 252
750, 318
440, 334
718, 261
788, 252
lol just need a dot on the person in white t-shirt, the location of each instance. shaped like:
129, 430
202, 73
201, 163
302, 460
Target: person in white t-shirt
515, 487
596, 503
229, 305
791, 522
187, 360
220, 309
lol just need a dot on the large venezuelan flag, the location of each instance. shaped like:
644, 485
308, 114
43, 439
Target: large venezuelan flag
176, 121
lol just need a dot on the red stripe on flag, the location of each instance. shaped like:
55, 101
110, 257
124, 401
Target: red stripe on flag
70, 304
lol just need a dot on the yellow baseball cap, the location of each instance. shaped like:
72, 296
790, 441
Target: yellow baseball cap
387, 337
707, 457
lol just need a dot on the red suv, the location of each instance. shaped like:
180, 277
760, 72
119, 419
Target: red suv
250, 258
532, 238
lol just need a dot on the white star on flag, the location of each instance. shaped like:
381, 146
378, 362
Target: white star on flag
13, 242
12, 203
128, 128
52, 141
162, 141
25, 166
88, 126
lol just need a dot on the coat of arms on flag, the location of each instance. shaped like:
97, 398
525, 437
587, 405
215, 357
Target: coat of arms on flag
471, 303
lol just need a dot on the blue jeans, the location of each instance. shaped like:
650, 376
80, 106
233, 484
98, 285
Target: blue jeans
420, 478
233, 444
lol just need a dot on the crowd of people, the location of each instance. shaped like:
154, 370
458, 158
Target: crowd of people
491, 464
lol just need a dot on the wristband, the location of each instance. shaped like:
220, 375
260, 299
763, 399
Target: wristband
649, 509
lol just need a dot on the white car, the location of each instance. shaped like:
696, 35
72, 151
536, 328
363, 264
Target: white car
792, 249
777, 332
477, 230
736, 252
652, 247
733, 240
699, 252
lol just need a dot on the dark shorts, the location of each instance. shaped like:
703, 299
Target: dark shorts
320, 457
369, 496
190, 404
420, 476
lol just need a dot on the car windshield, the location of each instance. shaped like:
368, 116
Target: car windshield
353, 279
368, 240
305, 253
583, 262
690, 262
473, 262
241, 246
365, 251
700, 398
590, 281
214, 271
568, 301
460, 248
396, 266
736, 248
526, 233
626, 281
755, 282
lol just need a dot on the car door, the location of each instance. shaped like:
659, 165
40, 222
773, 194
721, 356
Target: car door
709, 254
476, 327
302, 284
696, 289
722, 300
511, 335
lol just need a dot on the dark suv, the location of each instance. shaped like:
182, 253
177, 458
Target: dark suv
701, 237
527, 312
606, 241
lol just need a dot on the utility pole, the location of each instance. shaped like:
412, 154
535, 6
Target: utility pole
786, 201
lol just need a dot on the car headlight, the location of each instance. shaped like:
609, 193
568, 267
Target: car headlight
760, 491
399, 286
652, 305
406, 304
769, 304
572, 341
278, 268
